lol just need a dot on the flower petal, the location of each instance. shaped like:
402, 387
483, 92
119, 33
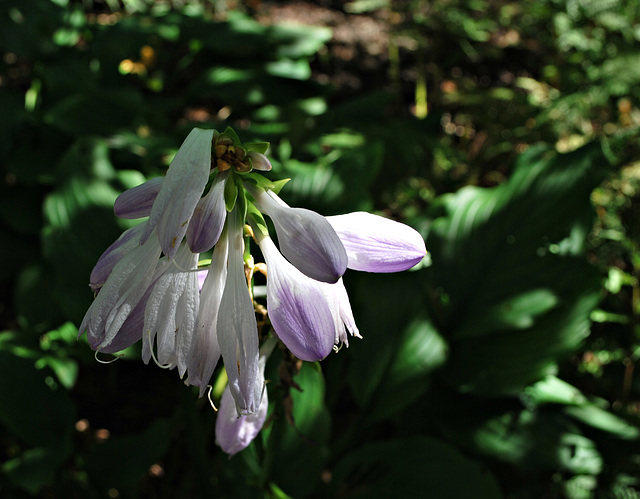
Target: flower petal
171, 312
181, 190
126, 285
205, 351
138, 201
259, 161
305, 238
237, 327
234, 433
301, 309
208, 218
345, 321
377, 244
113, 254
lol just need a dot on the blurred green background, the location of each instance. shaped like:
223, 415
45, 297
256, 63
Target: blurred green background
506, 132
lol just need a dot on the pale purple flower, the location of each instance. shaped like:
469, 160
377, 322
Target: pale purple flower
305, 238
377, 244
138, 201
307, 315
237, 327
235, 432
208, 217
181, 191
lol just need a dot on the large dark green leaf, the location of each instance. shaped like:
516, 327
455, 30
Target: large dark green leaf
515, 291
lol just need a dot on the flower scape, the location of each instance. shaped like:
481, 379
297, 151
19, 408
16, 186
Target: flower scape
183, 280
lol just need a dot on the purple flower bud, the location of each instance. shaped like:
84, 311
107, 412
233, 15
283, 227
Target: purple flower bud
260, 161
305, 238
181, 191
113, 254
377, 244
208, 218
137, 202
233, 432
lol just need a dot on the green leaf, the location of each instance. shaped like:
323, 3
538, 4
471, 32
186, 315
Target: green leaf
260, 147
540, 438
384, 307
513, 297
420, 351
412, 467
257, 217
234, 136
230, 193
34, 468
27, 394
604, 420
552, 390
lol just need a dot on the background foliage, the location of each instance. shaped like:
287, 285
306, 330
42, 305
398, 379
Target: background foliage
506, 132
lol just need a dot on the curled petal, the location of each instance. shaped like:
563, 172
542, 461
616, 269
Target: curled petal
377, 244
208, 218
305, 238
302, 310
126, 285
345, 323
237, 327
137, 202
205, 351
181, 190
113, 254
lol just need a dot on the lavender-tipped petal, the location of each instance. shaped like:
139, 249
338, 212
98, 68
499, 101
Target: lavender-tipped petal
208, 218
113, 254
305, 238
377, 244
301, 309
234, 433
138, 201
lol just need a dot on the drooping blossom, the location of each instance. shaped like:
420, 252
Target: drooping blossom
150, 283
235, 432
306, 238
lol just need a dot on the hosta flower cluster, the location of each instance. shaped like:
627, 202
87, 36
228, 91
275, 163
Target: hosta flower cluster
181, 281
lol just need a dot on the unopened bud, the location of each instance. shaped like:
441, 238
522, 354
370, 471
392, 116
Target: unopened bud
260, 161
